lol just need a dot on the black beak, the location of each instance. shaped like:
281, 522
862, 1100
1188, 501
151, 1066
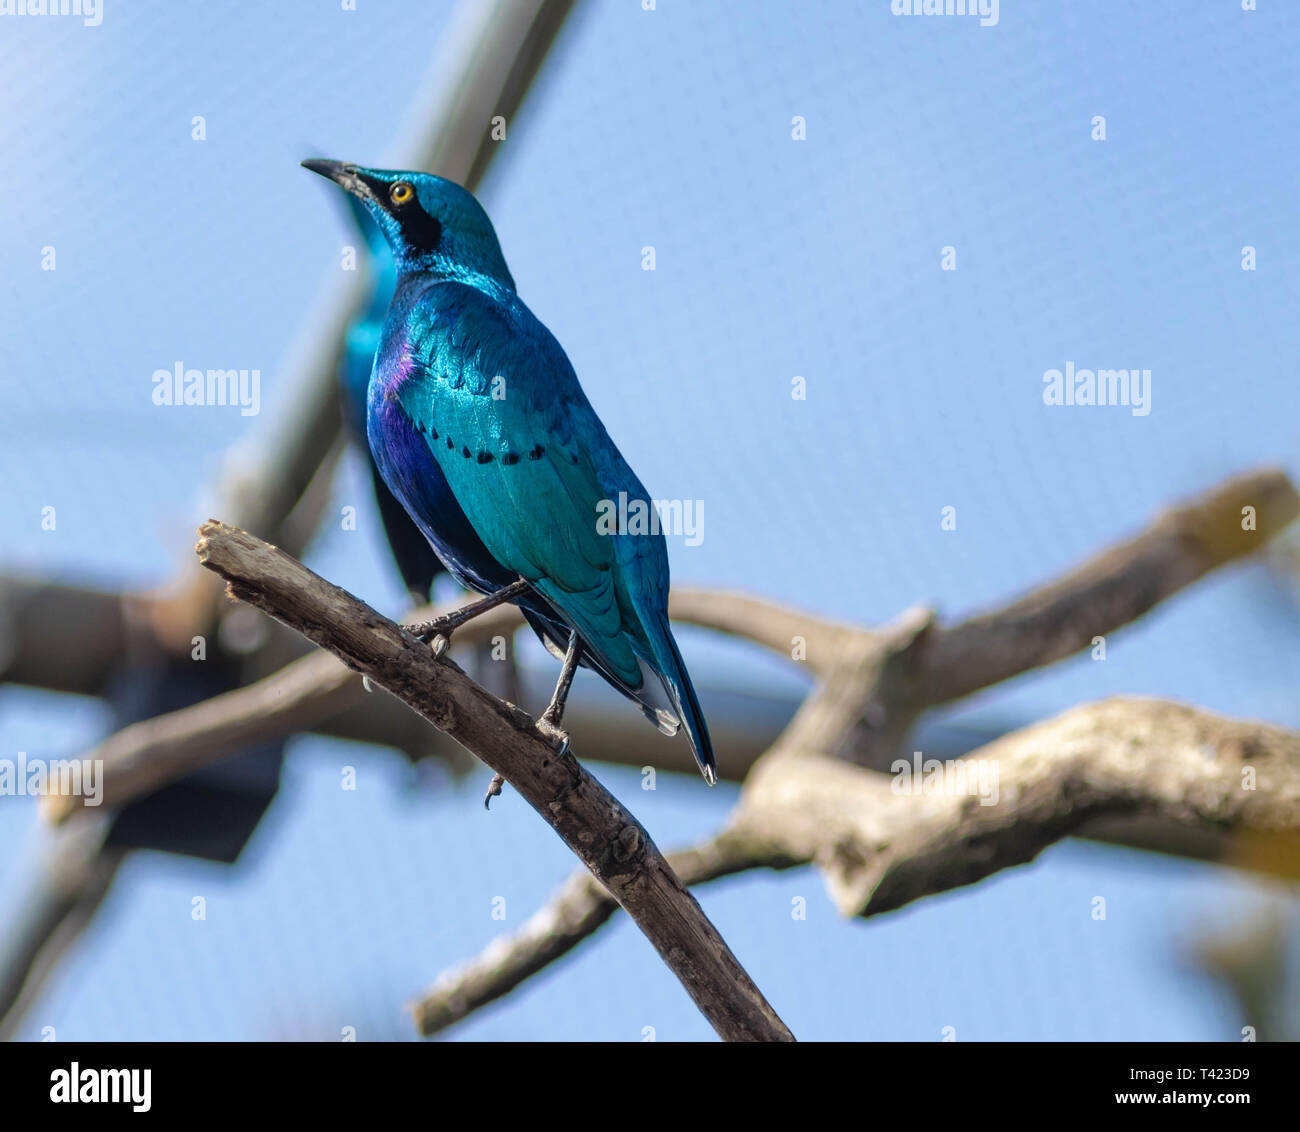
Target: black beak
343, 175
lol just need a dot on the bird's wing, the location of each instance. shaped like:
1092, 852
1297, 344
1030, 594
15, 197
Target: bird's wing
530, 463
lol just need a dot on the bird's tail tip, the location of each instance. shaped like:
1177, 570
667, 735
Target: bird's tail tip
678, 685
697, 731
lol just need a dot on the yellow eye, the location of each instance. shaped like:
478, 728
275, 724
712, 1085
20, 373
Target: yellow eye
400, 193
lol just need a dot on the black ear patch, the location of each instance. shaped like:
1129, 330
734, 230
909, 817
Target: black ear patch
421, 231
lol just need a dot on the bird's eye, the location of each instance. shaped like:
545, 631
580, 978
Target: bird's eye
401, 192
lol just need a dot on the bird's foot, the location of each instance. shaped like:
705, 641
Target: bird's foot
553, 733
493, 790
438, 631
435, 633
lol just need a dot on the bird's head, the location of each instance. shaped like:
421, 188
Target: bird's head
432, 224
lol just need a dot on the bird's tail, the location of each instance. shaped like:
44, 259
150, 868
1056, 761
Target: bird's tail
677, 683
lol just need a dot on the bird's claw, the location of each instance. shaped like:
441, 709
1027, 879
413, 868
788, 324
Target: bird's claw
554, 734
436, 634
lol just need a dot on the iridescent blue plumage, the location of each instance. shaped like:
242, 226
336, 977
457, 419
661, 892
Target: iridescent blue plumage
415, 559
479, 426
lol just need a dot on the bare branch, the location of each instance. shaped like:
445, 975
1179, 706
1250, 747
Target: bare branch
1061, 618
59, 636
880, 849
63, 894
602, 834
1112, 589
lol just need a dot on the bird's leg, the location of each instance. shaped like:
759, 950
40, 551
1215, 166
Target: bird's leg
548, 723
440, 628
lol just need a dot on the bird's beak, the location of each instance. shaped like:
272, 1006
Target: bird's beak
345, 176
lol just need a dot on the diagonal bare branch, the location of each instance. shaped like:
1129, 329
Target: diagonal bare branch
608, 840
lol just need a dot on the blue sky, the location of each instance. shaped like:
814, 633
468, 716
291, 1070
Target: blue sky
775, 258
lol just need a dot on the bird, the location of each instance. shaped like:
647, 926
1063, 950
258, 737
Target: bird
416, 561
480, 428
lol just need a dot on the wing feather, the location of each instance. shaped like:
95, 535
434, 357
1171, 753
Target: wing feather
514, 437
